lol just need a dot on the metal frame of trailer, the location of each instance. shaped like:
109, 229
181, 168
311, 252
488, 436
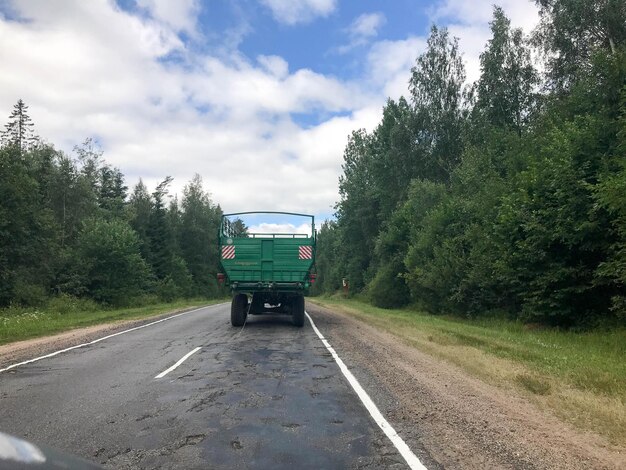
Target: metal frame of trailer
266, 272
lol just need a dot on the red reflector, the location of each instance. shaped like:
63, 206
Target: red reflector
220, 277
313, 278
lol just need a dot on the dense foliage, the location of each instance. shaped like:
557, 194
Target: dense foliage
69, 228
506, 195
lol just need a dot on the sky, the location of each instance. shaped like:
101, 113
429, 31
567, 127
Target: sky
256, 96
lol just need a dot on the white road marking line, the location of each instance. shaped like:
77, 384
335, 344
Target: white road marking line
410, 458
182, 359
13, 366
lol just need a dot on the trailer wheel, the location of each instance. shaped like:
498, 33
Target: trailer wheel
238, 309
297, 313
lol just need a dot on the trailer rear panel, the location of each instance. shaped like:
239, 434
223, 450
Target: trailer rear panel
267, 272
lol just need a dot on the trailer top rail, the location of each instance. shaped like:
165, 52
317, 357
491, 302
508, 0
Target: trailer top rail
229, 229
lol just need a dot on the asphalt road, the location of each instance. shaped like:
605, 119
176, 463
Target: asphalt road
266, 396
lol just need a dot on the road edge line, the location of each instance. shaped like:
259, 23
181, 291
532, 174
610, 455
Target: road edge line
61, 351
410, 458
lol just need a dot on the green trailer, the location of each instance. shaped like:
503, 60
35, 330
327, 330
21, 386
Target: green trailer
266, 272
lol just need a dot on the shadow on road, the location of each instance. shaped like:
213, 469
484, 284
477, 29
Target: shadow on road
270, 320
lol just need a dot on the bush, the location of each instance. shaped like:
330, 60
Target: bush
388, 289
168, 290
64, 304
116, 272
28, 294
143, 300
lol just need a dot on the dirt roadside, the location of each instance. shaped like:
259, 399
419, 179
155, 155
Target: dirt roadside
18, 351
457, 420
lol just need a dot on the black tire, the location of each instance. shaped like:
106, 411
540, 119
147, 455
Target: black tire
238, 309
297, 311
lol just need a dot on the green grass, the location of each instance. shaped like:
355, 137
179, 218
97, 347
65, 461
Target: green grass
580, 375
66, 314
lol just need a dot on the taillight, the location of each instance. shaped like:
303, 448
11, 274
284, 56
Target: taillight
221, 277
313, 278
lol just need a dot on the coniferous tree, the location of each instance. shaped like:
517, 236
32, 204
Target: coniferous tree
139, 209
239, 228
198, 235
66, 228
112, 191
159, 233
24, 225
19, 130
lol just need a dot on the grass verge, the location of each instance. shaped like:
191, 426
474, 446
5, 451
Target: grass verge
20, 323
579, 376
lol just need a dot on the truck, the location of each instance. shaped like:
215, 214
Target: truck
266, 272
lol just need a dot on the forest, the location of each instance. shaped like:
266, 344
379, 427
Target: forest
70, 229
503, 197
506, 196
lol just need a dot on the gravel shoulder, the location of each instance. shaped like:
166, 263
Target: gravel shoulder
458, 420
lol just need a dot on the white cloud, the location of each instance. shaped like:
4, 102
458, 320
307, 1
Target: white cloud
281, 228
90, 69
275, 65
523, 14
390, 64
367, 25
269, 89
292, 12
362, 30
180, 15
472, 41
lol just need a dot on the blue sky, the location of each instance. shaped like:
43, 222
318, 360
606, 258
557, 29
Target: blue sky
256, 96
315, 44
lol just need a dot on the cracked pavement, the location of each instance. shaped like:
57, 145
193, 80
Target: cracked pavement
267, 396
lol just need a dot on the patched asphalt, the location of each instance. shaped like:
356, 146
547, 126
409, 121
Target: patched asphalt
266, 396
